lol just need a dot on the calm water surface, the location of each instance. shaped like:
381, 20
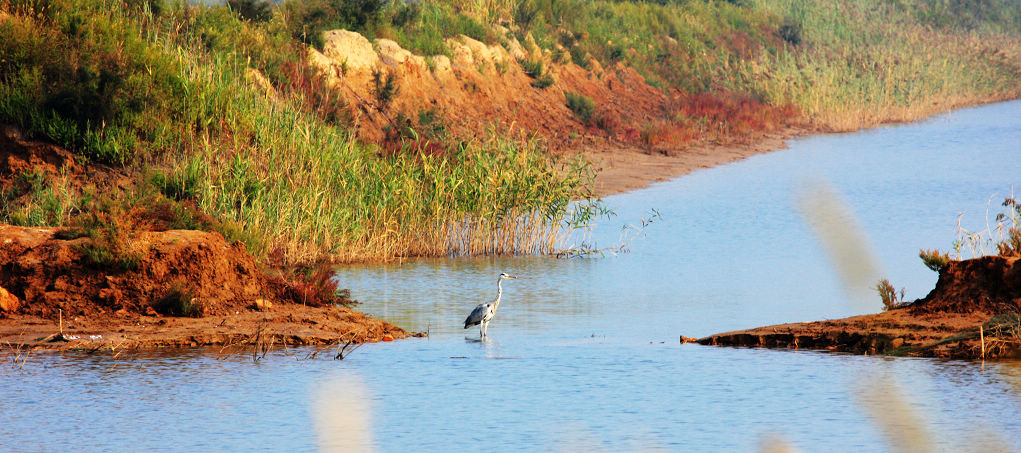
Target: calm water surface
584, 354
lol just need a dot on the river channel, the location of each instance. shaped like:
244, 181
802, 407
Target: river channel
584, 353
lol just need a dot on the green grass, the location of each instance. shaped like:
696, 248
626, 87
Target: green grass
282, 174
582, 106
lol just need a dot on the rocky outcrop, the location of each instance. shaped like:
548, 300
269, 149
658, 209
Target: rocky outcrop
481, 86
9, 303
49, 273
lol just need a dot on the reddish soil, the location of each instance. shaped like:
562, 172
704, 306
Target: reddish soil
982, 292
638, 133
58, 290
622, 169
20, 156
49, 285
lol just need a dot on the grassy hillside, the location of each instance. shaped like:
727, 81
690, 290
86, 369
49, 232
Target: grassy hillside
166, 91
170, 93
844, 65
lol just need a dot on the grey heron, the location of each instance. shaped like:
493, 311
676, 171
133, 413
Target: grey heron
483, 313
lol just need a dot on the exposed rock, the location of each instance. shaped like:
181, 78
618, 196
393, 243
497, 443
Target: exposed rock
9, 303
463, 58
478, 87
516, 51
392, 53
442, 67
350, 48
18, 156
531, 47
256, 77
989, 283
327, 66
113, 308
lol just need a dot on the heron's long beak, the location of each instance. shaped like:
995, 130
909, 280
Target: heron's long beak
510, 276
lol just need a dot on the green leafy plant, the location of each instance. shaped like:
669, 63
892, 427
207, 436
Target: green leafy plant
533, 67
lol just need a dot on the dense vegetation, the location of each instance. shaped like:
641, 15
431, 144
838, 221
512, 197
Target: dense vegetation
169, 91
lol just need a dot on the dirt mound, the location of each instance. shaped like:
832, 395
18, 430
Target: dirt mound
54, 284
48, 273
973, 312
894, 332
990, 284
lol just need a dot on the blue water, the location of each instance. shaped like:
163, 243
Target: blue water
584, 353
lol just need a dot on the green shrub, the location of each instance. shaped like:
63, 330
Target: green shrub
582, 106
790, 31
385, 88
543, 82
253, 10
533, 67
179, 301
308, 19
85, 78
934, 259
107, 225
37, 199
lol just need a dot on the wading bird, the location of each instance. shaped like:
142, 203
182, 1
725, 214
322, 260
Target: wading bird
483, 313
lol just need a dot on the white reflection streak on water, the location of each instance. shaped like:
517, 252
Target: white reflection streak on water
904, 427
343, 415
841, 235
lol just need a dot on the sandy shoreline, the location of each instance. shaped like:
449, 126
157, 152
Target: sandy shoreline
625, 169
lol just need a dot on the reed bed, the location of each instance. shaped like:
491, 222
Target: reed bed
841, 65
872, 62
312, 193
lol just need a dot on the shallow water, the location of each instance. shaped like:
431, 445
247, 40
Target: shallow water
584, 353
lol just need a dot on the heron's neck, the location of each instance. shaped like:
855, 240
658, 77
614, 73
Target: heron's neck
499, 292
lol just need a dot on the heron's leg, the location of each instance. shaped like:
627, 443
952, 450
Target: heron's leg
482, 330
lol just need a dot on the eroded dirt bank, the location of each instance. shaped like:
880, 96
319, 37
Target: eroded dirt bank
633, 136
971, 313
187, 288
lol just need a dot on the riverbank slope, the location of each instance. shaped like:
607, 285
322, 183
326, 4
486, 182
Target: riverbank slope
179, 288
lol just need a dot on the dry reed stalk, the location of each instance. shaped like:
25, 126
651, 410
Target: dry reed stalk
982, 337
